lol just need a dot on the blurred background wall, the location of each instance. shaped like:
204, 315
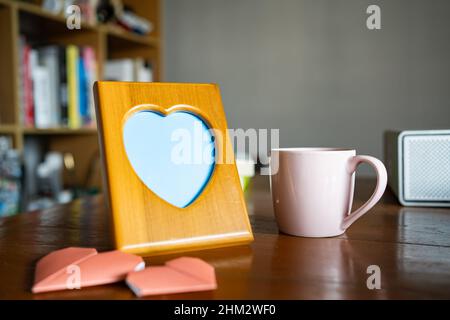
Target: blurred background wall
312, 68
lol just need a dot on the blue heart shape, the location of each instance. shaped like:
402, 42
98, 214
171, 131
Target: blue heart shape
172, 155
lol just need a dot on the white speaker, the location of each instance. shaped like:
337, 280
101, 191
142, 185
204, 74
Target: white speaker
418, 164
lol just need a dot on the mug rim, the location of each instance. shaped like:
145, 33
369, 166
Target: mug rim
303, 150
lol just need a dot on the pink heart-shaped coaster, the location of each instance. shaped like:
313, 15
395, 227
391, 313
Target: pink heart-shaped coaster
184, 274
72, 268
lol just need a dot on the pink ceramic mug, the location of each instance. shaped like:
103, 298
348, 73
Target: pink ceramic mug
312, 189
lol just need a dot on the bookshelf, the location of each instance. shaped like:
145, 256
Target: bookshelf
108, 41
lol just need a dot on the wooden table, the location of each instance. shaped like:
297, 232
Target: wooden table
410, 245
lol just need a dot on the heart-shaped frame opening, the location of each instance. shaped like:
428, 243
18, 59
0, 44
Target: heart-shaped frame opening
180, 185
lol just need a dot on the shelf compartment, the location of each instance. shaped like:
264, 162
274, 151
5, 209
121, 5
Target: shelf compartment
40, 25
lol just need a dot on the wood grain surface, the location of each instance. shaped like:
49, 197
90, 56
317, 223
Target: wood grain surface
410, 245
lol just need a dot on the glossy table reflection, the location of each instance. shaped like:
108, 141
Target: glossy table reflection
410, 245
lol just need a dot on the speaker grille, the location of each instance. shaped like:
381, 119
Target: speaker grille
426, 168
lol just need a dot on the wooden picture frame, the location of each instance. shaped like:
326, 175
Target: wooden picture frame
143, 222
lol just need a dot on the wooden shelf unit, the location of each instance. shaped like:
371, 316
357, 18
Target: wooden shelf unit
42, 27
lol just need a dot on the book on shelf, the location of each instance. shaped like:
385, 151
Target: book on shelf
25, 84
10, 177
91, 64
40, 75
50, 63
128, 70
74, 108
55, 84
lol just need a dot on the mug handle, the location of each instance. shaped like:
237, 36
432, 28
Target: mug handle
380, 169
